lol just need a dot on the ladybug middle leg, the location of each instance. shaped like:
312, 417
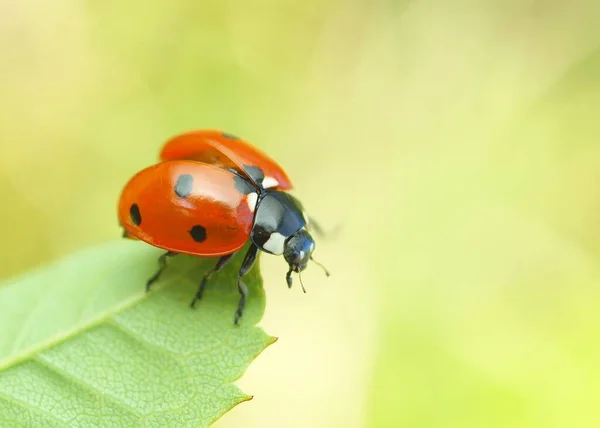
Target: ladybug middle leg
162, 263
249, 260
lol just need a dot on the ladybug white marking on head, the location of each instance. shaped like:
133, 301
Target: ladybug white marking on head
275, 243
269, 182
251, 199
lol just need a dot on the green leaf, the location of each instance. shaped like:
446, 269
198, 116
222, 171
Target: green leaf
82, 344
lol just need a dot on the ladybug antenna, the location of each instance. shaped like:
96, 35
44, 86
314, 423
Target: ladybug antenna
322, 267
300, 276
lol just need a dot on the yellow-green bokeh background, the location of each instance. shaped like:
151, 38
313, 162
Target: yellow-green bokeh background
454, 143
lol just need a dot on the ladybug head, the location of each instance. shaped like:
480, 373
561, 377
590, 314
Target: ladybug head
298, 249
297, 253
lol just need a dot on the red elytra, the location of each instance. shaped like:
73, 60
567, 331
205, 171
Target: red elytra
227, 151
161, 206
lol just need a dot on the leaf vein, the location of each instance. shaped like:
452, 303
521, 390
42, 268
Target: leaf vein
31, 351
28, 406
70, 377
177, 356
30, 317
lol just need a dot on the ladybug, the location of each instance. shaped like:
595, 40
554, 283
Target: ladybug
210, 195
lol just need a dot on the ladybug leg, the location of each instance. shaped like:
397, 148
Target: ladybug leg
249, 260
313, 225
220, 263
162, 263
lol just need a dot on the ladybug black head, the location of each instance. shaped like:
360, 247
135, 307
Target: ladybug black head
298, 252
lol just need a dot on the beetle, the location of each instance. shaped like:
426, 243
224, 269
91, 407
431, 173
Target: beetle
209, 196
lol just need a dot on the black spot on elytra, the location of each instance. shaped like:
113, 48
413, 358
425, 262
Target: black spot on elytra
255, 172
198, 233
184, 185
242, 184
135, 215
229, 136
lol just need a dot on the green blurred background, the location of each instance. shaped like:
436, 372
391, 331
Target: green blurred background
454, 143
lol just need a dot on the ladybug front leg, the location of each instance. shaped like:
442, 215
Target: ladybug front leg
162, 263
220, 263
249, 260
